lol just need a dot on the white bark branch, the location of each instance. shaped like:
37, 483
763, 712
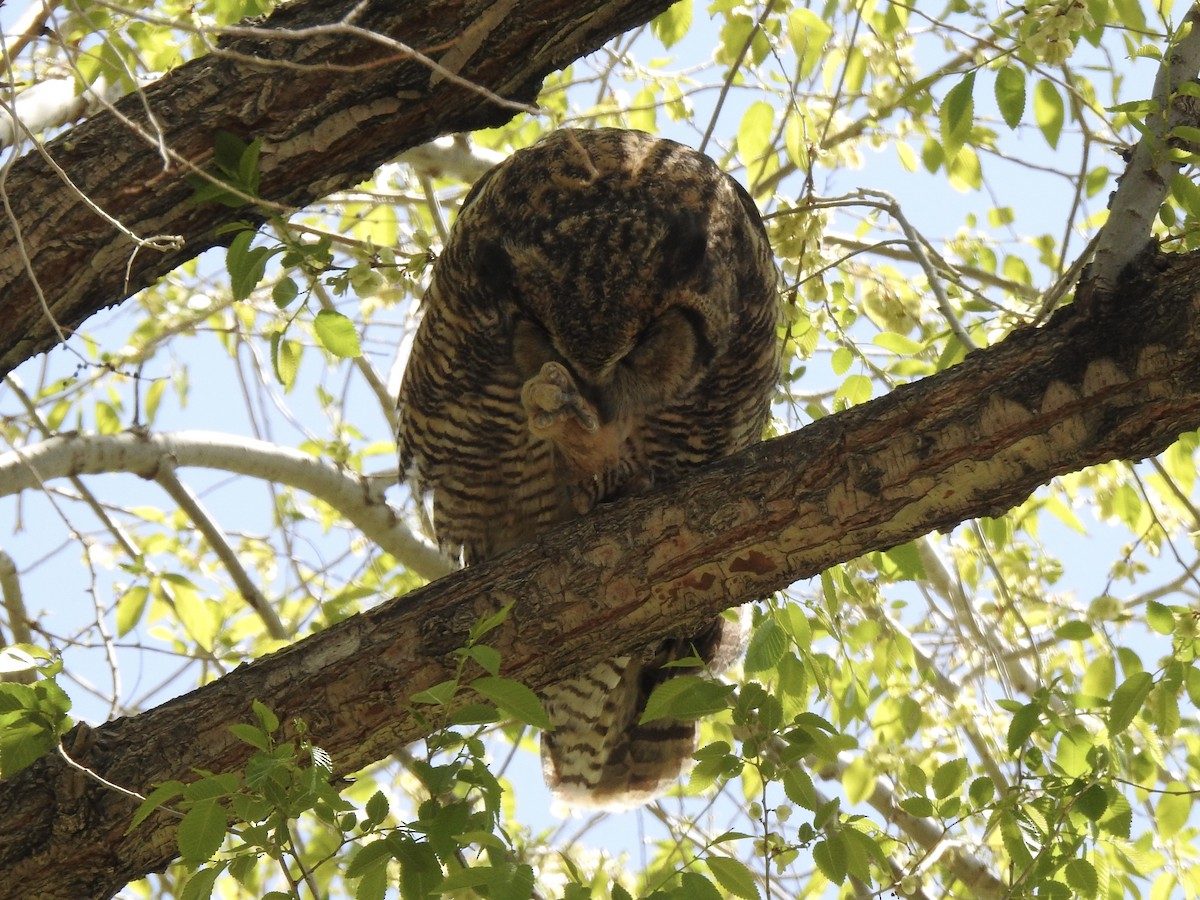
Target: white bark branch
355, 496
1147, 178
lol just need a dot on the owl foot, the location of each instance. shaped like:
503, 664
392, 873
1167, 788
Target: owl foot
553, 403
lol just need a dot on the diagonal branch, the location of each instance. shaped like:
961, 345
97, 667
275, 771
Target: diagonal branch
358, 498
330, 108
1089, 387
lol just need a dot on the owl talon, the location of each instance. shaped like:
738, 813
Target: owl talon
551, 400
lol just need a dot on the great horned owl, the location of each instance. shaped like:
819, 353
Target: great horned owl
602, 318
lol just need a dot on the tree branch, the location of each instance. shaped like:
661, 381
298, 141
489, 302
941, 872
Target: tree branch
359, 499
974, 440
330, 108
1147, 178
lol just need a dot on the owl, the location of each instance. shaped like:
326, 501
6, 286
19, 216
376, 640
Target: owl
601, 320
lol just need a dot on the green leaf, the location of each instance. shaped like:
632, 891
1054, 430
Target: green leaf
200, 885
377, 807
671, 25
475, 714
949, 777
107, 419
515, 699
830, 857
1048, 111
487, 657
958, 115
154, 397
1100, 677
686, 697
439, 695
1081, 876
1023, 723
373, 885
1075, 630
733, 876
906, 564
798, 786
201, 831
1173, 809
856, 389
754, 132
228, 150
285, 359
1127, 701
767, 645
981, 791
808, 33
921, 807
164, 793
250, 734
1010, 94
284, 292
336, 333
376, 854
267, 720
695, 886
490, 622
1092, 802
1160, 617
858, 779
900, 344
246, 264
130, 608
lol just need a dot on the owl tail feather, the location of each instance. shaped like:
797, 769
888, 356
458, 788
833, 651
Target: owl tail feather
597, 754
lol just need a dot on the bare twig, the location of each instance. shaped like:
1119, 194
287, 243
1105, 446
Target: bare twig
187, 501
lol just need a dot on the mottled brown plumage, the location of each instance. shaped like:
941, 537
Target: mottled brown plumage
601, 319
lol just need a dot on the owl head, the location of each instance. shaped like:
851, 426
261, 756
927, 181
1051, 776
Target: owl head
610, 264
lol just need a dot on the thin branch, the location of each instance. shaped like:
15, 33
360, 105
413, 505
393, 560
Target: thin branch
968, 868
187, 501
357, 497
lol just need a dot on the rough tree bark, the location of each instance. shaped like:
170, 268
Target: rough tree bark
1116, 378
330, 107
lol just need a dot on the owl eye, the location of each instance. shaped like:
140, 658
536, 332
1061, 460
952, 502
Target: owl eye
675, 340
531, 347
669, 358
683, 250
493, 263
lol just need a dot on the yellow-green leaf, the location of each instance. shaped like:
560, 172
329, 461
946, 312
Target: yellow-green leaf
336, 333
1048, 111
1010, 94
958, 115
1173, 809
767, 646
671, 25
1127, 701
201, 831
733, 875
514, 698
686, 697
808, 33
130, 607
754, 132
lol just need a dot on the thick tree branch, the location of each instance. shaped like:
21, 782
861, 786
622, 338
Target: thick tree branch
330, 108
1089, 387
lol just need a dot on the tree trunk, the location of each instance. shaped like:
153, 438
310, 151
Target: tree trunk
330, 105
1095, 384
